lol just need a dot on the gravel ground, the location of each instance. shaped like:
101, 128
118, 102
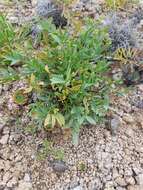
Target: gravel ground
101, 161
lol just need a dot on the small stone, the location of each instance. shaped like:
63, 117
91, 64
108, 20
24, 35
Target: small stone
7, 176
27, 178
139, 179
137, 170
120, 188
115, 123
2, 165
24, 186
140, 87
128, 118
59, 166
133, 187
115, 173
6, 130
109, 185
121, 181
34, 2
117, 76
130, 181
12, 182
77, 188
129, 132
4, 139
13, 19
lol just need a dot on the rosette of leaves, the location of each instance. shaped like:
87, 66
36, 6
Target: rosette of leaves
20, 97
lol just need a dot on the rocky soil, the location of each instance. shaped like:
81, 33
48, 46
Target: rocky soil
100, 161
104, 159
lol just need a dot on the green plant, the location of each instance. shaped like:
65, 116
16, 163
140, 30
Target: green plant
69, 85
20, 97
9, 51
82, 166
115, 4
67, 76
48, 150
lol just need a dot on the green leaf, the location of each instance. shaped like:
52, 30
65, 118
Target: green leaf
90, 120
57, 79
47, 120
14, 58
53, 120
60, 119
56, 38
75, 138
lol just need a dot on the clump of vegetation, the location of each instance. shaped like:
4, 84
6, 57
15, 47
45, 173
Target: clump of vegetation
115, 4
69, 85
122, 35
66, 74
20, 97
47, 149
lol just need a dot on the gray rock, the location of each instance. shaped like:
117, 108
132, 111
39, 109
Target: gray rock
47, 9
59, 166
122, 34
115, 123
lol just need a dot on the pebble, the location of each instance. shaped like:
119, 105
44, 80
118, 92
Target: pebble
0, 89
12, 182
115, 123
129, 132
4, 139
130, 180
7, 176
134, 187
121, 181
128, 118
77, 188
24, 186
139, 179
27, 178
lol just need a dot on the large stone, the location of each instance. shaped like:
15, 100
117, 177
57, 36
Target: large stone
49, 8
